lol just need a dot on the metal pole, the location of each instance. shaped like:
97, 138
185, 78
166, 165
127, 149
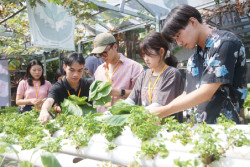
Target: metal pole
44, 64
157, 26
79, 48
60, 61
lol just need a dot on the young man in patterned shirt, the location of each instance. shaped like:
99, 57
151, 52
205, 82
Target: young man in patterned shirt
216, 73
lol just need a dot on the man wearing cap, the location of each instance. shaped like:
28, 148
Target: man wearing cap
122, 72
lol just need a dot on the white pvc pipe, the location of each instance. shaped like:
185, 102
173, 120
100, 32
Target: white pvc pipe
65, 160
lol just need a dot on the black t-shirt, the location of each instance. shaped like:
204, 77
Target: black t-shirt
59, 90
223, 60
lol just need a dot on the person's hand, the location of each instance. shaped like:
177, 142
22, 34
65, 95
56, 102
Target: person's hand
57, 109
35, 101
153, 110
44, 116
41, 101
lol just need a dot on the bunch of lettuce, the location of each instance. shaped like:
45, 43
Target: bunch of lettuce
99, 93
122, 107
77, 106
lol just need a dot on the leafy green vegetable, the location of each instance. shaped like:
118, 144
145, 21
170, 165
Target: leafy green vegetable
150, 149
144, 125
102, 101
72, 124
117, 120
208, 144
78, 100
185, 136
99, 93
122, 107
111, 131
80, 139
49, 160
187, 163
90, 125
76, 106
226, 123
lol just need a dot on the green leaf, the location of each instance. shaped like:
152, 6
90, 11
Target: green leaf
122, 107
117, 120
78, 100
99, 90
26, 164
71, 108
104, 92
87, 109
49, 160
102, 101
77, 106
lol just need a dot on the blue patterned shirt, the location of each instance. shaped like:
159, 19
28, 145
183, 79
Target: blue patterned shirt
223, 60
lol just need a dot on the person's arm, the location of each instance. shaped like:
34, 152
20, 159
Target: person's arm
117, 92
21, 101
44, 114
185, 101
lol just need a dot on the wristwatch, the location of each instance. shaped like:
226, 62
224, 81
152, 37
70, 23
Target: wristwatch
122, 92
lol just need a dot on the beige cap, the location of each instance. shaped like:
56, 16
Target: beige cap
102, 41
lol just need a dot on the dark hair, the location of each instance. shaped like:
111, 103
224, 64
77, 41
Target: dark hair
152, 43
59, 72
74, 57
178, 19
112, 44
29, 77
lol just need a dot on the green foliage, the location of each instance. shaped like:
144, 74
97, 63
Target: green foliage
26, 164
90, 125
187, 163
18, 26
111, 146
144, 125
150, 149
49, 160
117, 120
26, 131
217, 1
99, 93
76, 106
9, 110
247, 101
122, 107
236, 137
111, 131
52, 144
226, 123
177, 49
185, 136
72, 124
80, 139
208, 144
52, 127
172, 124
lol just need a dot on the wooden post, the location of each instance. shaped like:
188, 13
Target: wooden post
130, 44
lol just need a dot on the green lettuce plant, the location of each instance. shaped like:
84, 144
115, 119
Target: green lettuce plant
99, 93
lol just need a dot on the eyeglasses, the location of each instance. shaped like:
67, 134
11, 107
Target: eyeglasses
105, 53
